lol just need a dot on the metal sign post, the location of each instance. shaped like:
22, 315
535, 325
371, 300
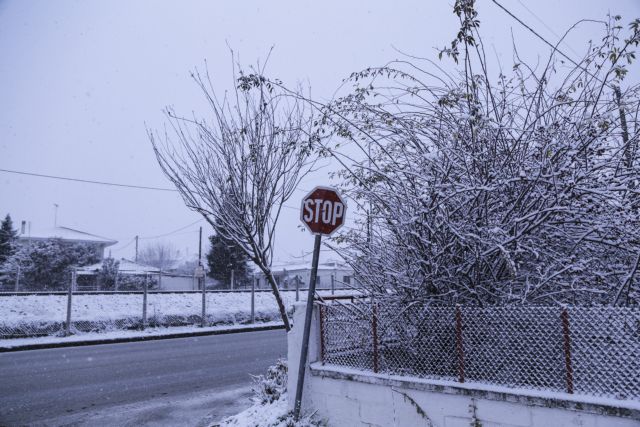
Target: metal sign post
323, 212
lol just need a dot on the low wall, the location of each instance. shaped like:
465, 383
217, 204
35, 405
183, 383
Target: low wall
347, 397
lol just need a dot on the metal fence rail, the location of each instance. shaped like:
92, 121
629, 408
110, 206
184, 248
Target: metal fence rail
585, 350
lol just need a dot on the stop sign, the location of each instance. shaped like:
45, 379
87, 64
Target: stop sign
323, 210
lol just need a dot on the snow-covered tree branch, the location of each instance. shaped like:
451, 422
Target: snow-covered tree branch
509, 189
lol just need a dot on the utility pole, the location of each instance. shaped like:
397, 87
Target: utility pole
136, 248
55, 214
232, 277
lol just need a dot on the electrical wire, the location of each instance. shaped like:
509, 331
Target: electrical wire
117, 249
555, 48
547, 27
88, 181
171, 232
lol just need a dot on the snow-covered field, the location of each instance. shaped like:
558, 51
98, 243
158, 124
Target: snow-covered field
38, 314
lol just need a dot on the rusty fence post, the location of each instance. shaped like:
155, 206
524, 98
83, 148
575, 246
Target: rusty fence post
567, 349
322, 343
459, 344
374, 328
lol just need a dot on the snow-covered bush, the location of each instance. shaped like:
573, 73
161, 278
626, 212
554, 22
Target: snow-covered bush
270, 387
46, 265
519, 188
270, 403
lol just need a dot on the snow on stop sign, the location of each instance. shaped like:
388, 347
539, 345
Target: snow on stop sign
323, 210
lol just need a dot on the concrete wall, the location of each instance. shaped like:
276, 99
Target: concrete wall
323, 278
178, 283
286, 279
347, 397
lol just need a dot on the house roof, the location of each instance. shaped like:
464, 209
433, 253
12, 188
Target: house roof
66, 233
125, 267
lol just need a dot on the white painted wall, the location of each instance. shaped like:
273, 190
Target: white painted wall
356, 398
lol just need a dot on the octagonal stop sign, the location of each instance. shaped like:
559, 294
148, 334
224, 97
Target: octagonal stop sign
323, 211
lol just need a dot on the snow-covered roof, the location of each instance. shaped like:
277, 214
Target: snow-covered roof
66, 233
125, 267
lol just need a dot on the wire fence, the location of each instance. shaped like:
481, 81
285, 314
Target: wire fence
584, 350
59, 313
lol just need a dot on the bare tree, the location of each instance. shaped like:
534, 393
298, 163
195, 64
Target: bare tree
239, 167
161, 255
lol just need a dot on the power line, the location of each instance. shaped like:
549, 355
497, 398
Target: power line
547, 27
88, 181
113, 184
118, 249
555, 48
172, 232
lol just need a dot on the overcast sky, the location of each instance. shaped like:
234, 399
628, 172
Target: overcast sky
79, 79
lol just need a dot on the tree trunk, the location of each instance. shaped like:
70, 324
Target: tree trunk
276, 294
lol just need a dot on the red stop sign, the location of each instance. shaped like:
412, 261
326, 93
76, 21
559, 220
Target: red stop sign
323, 210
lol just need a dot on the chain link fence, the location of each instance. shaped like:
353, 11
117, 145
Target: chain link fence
35, 314
584, 350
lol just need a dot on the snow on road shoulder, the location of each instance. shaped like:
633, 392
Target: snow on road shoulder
126, 334
267, 415
275, 414
270, 407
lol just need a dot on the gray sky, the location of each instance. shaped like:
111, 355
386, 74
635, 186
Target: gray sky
78, 81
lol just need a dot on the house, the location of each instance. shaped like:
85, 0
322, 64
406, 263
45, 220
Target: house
66, 234
130, 276
129, 270
125, 267
288, 274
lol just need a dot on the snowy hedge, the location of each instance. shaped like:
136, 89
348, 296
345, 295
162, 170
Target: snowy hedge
494, 186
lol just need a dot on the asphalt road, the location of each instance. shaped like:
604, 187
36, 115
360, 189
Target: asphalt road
184, 381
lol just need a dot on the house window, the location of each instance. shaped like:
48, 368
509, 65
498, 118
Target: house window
346, 280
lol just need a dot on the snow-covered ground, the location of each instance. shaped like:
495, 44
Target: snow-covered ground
275, 414
270, 407
267, 415
106, 312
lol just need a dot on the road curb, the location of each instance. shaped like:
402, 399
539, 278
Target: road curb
26, 347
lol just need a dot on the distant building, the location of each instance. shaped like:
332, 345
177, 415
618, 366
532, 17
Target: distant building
288, 274
65, 234
125, 267
170, 281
